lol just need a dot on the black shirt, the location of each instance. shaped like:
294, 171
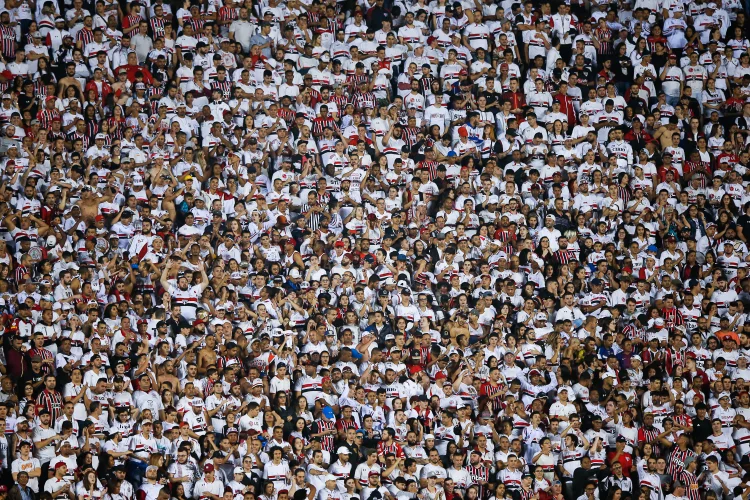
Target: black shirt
701, 429
492, 97
33, 377
24, 101
744, 222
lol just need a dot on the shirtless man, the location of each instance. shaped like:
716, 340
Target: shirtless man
664, 135
69, 79
167, 378
89, 204
207, 355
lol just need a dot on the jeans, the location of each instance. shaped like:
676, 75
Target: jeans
136, 471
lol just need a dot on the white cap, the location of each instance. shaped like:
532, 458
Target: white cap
100, 136
343, 450
565, 388
330, 477
239, 470
294, 273
403, 284
428, 436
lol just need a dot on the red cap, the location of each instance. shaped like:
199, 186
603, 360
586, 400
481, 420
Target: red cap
462, 132
534, 372
504, 66
99, 218
440, 376
430, 39
339, 244
208, 468
60, 464
50, 98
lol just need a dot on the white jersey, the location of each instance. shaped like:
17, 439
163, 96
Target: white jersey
215, 487
187, 300
188, 469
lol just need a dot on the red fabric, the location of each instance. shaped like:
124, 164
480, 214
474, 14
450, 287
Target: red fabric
132, 69
106, 88
625, 459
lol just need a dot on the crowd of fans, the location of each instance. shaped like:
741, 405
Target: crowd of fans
400, 250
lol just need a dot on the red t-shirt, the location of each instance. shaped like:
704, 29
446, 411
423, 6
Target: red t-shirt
625, 459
